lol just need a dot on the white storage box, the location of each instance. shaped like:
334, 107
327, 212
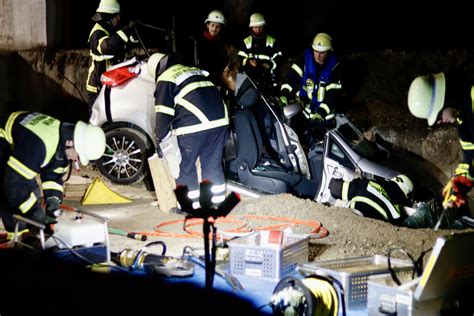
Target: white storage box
79, 232
254, 256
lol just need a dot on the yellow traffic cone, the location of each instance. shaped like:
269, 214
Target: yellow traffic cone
99, 193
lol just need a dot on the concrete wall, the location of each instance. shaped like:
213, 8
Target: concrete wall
22, 24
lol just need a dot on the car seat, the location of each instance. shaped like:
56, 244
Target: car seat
257, 170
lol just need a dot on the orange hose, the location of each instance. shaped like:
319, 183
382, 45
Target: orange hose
317, 230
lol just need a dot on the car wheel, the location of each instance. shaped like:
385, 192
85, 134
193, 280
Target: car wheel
125, 158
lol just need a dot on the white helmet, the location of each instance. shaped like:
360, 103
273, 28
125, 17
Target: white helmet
216, 16
108, 6
257, 19
404, 183
426, 96
153, 62
322, 42
89, 142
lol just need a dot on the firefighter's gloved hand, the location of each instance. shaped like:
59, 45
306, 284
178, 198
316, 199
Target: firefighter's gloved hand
130, 26
316, 117
283, 100
52, 207
159, 152
134, 23
455, 191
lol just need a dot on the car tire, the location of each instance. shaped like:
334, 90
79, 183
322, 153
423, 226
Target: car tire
125, 160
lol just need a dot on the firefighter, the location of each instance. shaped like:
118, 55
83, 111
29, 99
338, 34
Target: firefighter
211, 47
36, 145
315, 81
108, 42
448, 99
189, 105
383, 200
260, 54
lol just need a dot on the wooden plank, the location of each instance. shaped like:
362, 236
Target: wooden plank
164, 183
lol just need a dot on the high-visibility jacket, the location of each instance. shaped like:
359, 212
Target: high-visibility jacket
31, 146
263, 49
107, 48
187, 102
380, 200
460, 95
266, 51
317, 86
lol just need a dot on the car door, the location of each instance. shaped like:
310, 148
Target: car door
337, 163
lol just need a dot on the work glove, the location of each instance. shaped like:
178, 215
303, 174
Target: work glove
131, 26
455, 191
283, 100
52, 207
159, 152
316, 117
134, 23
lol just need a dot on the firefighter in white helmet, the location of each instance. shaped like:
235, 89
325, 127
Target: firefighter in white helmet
35, 145
260, 54
108, 41
212, 46
379, 199
314, 81
189, 104
447, 98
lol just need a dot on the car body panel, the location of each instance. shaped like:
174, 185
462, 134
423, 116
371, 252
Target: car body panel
132, 102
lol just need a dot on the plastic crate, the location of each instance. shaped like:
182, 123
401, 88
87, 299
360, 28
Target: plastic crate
250, 256
353, 274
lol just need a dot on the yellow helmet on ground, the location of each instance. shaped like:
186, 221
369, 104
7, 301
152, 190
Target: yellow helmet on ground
257, 19
153, 62
216, 16
322, 42
426, 96
108, 6
404, 183
89, 142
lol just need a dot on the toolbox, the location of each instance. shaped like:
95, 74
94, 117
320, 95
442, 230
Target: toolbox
254, 256
353, 274
448, 274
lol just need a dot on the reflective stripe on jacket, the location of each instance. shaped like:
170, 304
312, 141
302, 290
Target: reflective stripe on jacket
34, 140
105, 51
187, 102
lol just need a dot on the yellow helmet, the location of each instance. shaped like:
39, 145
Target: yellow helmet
216, 16
153, 62
257, 19
426, 96
89, 142
322, 42
108, 6
404, 183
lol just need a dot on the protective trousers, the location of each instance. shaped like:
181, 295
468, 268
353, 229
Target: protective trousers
209, 147
6, 210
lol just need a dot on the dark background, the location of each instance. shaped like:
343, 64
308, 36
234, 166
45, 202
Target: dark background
354, 26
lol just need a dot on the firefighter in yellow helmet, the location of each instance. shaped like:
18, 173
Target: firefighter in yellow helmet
260, 54
34, 145
108, 41
447, 98
315, 81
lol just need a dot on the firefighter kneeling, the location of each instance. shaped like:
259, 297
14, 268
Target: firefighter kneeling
36, 145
